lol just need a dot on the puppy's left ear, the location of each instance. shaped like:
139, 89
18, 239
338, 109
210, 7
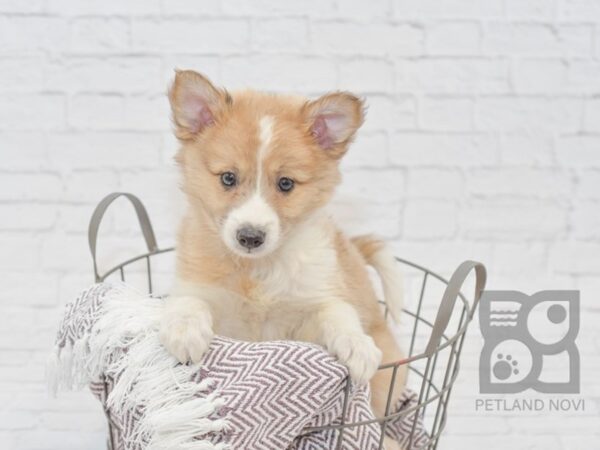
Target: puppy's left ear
333, 120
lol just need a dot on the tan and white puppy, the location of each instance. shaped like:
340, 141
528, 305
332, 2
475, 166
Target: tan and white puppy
257, 257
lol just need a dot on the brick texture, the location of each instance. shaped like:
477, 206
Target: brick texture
482, 141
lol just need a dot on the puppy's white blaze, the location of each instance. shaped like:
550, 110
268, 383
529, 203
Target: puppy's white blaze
265, 135
256, 211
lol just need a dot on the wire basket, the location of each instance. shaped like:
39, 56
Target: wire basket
434, 330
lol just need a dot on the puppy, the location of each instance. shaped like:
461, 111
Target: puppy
257, 257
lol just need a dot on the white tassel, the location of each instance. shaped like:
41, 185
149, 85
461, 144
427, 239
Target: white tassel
67, 369
175, 416
53, 371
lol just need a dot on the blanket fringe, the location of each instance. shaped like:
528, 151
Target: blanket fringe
123, 345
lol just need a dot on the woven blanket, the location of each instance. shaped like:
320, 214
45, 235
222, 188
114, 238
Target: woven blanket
268, 395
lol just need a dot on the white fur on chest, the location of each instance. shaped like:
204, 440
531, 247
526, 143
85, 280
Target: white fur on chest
305, 268
287, 286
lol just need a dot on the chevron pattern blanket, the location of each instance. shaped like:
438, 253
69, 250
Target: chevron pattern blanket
268, 395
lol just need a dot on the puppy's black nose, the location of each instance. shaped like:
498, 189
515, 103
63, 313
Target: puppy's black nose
250, 237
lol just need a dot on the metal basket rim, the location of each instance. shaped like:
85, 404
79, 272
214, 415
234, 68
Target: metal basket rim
446, 340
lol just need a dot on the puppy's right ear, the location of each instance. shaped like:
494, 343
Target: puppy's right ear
195, 103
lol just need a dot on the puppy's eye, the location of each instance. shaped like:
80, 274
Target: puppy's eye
285, 184
228, 179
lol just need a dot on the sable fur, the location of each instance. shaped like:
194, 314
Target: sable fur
310, 282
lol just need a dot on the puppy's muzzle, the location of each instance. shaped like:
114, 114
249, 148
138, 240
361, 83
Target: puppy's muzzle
250, 237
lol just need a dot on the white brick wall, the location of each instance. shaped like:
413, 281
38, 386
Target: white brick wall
482, 141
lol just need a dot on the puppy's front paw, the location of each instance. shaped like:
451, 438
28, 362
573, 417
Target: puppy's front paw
186, 337
359, 353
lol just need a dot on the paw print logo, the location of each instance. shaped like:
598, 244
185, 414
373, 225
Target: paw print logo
527, 339
505, 367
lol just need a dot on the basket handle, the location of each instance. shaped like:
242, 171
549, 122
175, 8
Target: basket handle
449, 299
98, 214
